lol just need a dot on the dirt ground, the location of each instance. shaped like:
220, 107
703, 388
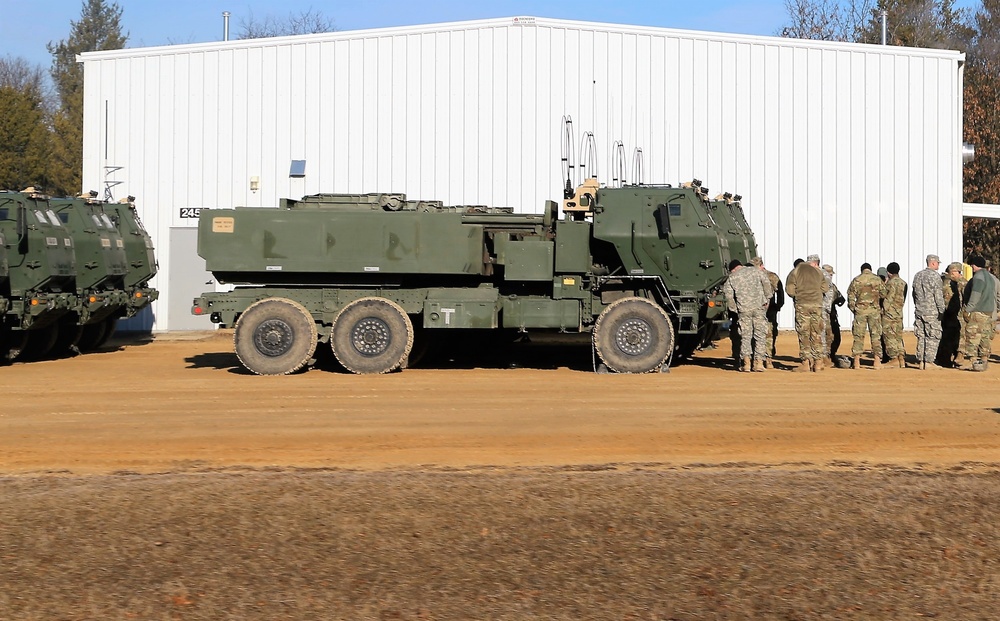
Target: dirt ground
158, 480
183, 403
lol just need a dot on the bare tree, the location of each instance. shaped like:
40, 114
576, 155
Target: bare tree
918, 23
19, 74
826, 20
914, 23
305, 22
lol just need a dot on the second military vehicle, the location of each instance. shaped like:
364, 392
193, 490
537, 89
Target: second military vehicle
637, 268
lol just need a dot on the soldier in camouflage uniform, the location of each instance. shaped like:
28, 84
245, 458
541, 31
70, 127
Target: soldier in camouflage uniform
806, 285
864, 298
996, 309
830, 317
884, 275
953, 321
892, 315
748, 291
980, 308
773, 306
928, 309
827, 305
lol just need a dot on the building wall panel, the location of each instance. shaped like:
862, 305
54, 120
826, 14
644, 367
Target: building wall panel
850, 151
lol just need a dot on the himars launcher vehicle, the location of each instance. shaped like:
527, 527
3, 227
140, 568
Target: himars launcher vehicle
69, 269
639, 268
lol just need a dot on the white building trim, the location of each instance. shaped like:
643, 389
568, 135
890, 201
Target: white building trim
980, 210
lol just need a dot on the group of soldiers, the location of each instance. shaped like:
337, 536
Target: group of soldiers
954, 319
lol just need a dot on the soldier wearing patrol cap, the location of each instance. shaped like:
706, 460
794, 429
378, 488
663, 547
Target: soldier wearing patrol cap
831, 301
773, 306
953, 322
806, 285
928, 310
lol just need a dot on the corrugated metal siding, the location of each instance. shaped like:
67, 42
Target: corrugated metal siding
847, 150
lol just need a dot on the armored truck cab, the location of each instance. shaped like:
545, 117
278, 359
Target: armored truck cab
139, 255
41, 283
632, 267
742, 245
101, 270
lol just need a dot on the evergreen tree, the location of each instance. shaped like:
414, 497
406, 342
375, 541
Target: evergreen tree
24, 131
99, 28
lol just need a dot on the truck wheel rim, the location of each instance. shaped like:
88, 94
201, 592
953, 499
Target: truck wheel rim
634, 337
273, 338
371, 336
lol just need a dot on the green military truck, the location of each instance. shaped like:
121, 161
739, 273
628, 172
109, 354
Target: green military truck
638, 269
72, 268
41, 285
139, 255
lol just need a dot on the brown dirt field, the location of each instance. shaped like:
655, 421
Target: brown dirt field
158, 480
177, 404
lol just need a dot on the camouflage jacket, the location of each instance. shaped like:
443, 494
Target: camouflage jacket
895, 297
865, 292
928, 296
778, 298
832, 297
952, 291
952, 288
747, 289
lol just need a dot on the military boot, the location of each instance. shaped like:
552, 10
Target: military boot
758, 365
804, 366
959, 360
746, 365
876, 362
768, 364
818, 364
902, 361
856, 363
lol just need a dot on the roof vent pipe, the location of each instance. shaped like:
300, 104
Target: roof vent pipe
885, 24
225, 26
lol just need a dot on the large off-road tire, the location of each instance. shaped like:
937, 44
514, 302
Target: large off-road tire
111, 324
372, 335
275, 336
633, 335
40, 342
70, 333
92, 336
12, 343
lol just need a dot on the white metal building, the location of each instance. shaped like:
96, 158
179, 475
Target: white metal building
846, 150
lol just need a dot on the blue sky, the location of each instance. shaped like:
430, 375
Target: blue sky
27, 25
